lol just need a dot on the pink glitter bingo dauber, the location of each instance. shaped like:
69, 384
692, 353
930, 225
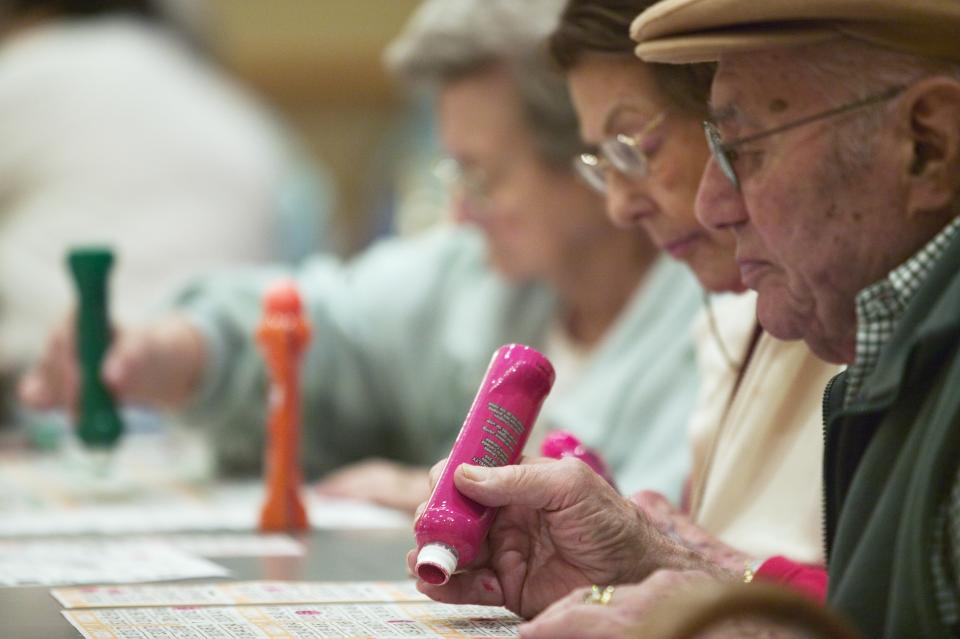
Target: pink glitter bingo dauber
560, 444
451, 528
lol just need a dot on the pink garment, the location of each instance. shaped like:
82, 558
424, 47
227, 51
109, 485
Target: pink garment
806, 579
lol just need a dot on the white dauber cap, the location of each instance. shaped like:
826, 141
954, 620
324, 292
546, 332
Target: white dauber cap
436, 562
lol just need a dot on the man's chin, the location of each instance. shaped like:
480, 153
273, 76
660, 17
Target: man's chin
784, 322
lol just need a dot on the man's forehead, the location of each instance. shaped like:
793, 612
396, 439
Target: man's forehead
732, 85
750, 86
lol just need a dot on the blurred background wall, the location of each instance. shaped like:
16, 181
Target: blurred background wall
178, 158
318, 63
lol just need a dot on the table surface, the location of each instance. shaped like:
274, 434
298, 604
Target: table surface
330, 555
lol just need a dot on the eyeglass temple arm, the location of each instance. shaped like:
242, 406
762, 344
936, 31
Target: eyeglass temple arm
886, 95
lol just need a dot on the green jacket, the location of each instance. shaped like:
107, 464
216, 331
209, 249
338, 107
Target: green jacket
401, 338
889, 463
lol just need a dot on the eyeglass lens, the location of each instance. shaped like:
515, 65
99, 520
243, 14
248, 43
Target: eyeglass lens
720, 154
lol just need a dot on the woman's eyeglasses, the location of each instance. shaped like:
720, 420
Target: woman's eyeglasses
622, 152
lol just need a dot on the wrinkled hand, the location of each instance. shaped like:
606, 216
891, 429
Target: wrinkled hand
560, 527
676, 525
572, 618
378, 480
158, 366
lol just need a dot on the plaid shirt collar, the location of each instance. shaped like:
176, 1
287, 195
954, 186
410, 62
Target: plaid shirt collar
880, 306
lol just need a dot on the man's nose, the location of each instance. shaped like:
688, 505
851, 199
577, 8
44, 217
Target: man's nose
719, 204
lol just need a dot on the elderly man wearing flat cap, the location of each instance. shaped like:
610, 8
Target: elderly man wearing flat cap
836, 132
836, 165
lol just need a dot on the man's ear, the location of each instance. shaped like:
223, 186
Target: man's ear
930, 118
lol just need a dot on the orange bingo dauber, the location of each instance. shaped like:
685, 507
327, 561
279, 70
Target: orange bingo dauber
283, 335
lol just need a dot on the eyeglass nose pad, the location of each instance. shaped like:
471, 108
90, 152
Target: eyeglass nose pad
728, 171
720, 154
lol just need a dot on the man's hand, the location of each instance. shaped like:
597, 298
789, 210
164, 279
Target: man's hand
560, 527
158, 366
573, 617
378, 480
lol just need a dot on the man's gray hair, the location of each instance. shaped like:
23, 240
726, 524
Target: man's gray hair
446, 40
862, 69
849, 70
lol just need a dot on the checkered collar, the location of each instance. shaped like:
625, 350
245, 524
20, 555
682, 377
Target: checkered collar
881, 305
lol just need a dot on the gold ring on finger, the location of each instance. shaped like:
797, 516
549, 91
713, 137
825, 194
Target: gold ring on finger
599, 596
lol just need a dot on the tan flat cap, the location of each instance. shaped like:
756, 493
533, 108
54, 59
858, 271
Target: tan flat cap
683, 31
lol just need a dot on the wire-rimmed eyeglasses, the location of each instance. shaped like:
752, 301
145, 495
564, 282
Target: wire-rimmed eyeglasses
621, 152
725, 153
472, 183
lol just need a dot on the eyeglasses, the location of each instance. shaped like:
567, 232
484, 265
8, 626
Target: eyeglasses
725, 153
473, 183
621, 152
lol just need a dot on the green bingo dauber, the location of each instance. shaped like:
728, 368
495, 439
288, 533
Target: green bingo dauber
98, 423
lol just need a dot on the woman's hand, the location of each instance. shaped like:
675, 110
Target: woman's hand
159, 366
677, 525
381, 481
575, 617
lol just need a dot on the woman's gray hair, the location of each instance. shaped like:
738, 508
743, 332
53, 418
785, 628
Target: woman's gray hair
446, 40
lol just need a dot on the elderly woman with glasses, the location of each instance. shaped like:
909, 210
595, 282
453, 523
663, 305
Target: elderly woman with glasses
755, 494
508, 129
404, 332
